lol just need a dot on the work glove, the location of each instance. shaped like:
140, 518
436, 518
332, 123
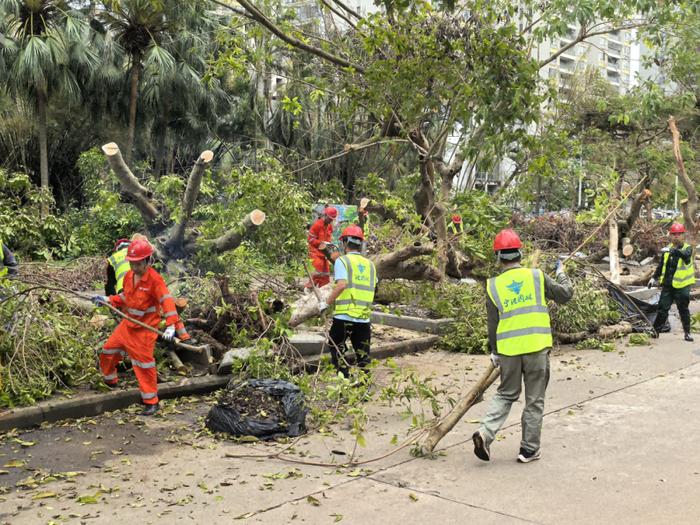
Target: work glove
100, 300
559, 268
652, 283
496, 360
322, 246
169, 333
664, 249
322, 306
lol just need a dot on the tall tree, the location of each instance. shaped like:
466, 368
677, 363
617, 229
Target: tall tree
44, 51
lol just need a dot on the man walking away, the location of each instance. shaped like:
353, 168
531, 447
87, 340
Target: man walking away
520, 337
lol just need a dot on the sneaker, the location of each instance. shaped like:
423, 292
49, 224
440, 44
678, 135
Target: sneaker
481, 449
150, 410
688, 337
527, 457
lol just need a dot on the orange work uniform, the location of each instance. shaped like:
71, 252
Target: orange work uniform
146, 302
318, 233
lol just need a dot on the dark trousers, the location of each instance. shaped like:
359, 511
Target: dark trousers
360, 336
680, 296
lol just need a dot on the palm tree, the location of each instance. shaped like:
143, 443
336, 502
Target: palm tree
146, 30
44, 50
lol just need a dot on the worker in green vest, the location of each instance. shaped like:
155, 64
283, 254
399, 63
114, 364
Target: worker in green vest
117, 266
8, 260
352, 296
676, 274
520, 337
456, 227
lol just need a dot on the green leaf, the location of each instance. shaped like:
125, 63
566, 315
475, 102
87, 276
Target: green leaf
89, 499
44, 495
313, 501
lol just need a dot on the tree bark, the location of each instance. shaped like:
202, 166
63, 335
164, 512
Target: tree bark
130, 184
194, 182
689, 206
233, 238
41, 103
133, 99
307, 306
463, 405
613, 251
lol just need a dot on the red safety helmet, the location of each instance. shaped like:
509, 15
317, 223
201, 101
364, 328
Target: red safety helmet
331, 212
139, 250
507, 240
121, 243
457, 219
353, 231
677, 227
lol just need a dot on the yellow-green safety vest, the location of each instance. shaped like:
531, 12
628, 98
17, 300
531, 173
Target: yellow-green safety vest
456, 228
357, 297
118, 261
524, 326
685, 273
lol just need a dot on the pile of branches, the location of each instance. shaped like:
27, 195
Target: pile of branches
46, 344
81, 274
561, 232
223, 318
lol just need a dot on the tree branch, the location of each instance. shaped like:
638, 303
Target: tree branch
263, 20
194, 182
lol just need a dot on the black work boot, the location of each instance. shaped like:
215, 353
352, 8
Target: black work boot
150, 410
481, 448
688, 337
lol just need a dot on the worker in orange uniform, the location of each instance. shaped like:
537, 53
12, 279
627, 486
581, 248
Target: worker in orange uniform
145, 298
320, 235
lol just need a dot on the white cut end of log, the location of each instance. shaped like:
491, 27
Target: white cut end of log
257, 217
110, 149
206, 156
627, 250
364, 201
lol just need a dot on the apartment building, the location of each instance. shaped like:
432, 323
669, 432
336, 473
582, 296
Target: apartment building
609, 54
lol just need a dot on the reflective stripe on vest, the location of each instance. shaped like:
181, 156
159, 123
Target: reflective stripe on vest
685, 273
357, 297
523, 325
456, 228
118, 261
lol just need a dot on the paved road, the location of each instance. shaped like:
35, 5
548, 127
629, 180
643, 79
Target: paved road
620, 445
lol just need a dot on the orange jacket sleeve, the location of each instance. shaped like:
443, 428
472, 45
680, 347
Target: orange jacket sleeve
117, 300
316, 233
166, 302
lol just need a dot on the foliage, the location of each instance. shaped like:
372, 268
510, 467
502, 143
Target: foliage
639, 339
590, 308
21, 226
281, 238
44, 346
594, 343
104, 218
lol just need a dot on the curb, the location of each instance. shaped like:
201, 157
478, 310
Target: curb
95, 404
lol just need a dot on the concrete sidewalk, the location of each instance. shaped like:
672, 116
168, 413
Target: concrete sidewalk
620, 444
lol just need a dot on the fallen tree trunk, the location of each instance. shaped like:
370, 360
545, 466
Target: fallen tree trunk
233, 238
307, 307
604, 332
395, 265
634, 280
463, 405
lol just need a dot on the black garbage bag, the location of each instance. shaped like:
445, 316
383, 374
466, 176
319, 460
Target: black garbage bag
264, 408
633, 309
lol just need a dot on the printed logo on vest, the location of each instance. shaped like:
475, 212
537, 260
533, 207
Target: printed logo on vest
515, 286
